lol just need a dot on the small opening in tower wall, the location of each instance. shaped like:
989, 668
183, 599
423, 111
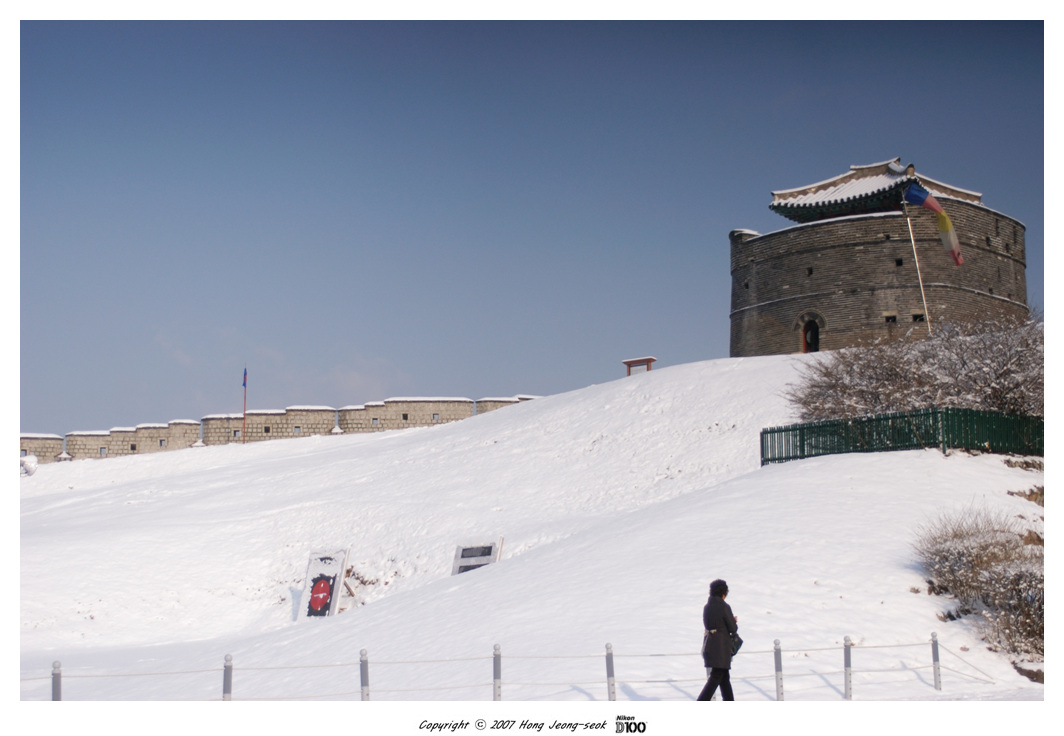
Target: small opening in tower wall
132, 447
265, 430
809, 271
746, 284
899, 261
919, 318
890, 319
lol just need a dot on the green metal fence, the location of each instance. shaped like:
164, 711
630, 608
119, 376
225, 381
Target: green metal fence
966, 429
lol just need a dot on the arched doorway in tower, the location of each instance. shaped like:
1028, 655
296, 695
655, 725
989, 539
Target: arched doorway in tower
811, 337
809, 326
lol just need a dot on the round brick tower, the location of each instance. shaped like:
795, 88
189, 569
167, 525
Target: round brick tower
845, 273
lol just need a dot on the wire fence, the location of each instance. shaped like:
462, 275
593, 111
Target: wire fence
576, 672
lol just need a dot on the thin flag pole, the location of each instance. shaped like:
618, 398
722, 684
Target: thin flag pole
244, 426
919, 277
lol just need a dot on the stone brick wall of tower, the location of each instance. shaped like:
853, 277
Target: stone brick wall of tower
850, 274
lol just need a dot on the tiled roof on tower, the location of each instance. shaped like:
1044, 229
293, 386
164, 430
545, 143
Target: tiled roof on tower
861, 190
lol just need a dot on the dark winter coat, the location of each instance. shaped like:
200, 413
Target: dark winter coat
720, 623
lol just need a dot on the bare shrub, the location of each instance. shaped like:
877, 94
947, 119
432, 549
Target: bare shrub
995, 365
979, 557
1014, 609
958, 551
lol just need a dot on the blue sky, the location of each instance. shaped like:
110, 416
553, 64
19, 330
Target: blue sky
364, 210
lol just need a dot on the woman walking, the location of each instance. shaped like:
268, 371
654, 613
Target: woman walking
720, 625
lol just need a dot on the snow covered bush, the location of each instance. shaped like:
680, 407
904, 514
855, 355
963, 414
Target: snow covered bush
992, 365
980, 559
1015, 609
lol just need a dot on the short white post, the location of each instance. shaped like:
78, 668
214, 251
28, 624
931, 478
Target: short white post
934, 661
57, 680
611, 680
227, 678
778, 653
847, 668
496, 667
363, 672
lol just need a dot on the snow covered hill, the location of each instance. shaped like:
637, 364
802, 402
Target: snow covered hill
617, 504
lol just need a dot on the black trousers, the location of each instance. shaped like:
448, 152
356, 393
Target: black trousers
718, 676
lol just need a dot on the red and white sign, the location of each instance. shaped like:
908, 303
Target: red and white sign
325, 575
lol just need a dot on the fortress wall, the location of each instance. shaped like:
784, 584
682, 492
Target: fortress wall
260, 425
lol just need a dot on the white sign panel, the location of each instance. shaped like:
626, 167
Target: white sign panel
470, 557
321, 589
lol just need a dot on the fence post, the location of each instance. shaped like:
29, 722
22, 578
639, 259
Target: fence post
227, 678
778, 653
611, 681
363, 673
941, 430
934, 661
57, 680
847, 668
496, 667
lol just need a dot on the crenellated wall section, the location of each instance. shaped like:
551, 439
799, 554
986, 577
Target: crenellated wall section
260, 425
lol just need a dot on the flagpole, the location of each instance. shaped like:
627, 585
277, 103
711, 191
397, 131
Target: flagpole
919, 277
244, 426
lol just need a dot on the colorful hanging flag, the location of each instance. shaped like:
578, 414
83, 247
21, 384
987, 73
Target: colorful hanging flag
916, 194
245, 378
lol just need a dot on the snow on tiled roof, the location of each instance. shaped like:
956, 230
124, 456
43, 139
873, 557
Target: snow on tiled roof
863, 182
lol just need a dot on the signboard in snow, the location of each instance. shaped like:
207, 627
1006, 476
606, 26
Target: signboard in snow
470, 557
321, 589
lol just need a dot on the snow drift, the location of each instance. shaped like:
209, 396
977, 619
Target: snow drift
618, 504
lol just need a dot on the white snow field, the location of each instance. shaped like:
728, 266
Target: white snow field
617, 503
